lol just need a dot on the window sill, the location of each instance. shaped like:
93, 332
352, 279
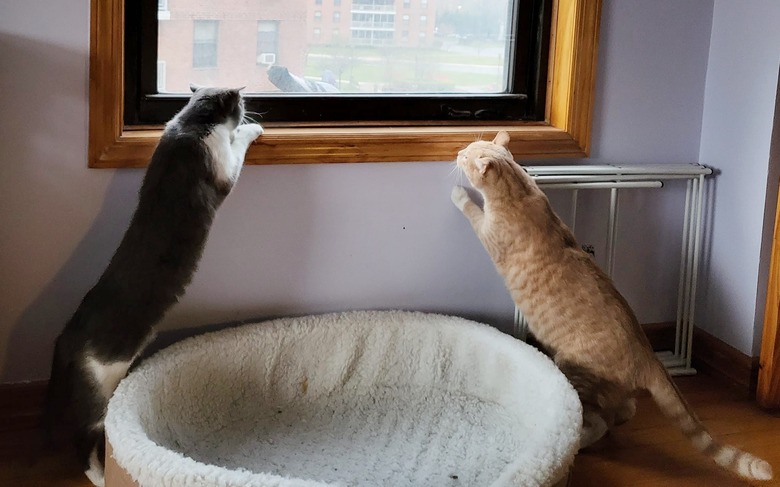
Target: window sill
566, 133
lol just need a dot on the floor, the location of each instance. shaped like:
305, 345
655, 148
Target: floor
647, 451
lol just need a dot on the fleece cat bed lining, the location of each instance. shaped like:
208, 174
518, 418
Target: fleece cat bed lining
362, 398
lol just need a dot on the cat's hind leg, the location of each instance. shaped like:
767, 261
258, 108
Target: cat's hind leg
93, 446
594, 427
626, 411
100, 379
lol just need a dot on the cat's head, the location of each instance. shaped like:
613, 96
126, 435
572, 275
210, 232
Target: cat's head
214, 106
483, 161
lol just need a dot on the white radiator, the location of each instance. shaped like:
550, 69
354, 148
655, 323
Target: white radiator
614, 178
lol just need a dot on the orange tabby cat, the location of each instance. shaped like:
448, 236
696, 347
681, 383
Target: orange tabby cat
572, 307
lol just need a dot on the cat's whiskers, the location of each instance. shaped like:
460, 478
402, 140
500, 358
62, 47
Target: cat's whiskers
255, 113
457, 172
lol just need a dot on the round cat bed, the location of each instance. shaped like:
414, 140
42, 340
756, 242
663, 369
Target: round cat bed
362, 398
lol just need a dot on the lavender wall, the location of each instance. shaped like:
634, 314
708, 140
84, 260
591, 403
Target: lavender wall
306, 239
739, 110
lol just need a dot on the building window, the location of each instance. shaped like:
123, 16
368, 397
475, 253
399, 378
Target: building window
336, 3
388, 121
317, 16
317, 2
407, 3
423, 19
161, 77
336, 17
267, 42
204, 47
162, 10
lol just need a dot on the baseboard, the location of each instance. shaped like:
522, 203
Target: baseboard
711, 356
661, 335
716, 358
21, 404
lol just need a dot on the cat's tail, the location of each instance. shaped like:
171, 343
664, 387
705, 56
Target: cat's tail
674, 406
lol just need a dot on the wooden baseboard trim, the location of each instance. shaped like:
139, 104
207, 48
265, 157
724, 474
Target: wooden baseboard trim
716, 358
711, 356
661, 335
21, 404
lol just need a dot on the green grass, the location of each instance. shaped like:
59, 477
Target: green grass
403, 77
400, 69
408, 53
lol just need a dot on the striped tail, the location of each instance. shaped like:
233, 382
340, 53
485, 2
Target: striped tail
674, 406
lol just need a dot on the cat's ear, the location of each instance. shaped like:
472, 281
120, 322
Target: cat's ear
195, 87
502, 139
483, 164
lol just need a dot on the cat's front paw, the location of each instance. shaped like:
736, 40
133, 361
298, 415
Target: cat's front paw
460, 197
249, 131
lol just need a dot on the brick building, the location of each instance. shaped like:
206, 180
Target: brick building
233, 42
228, 43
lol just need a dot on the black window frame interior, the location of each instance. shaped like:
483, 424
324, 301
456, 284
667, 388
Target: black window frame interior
525, 101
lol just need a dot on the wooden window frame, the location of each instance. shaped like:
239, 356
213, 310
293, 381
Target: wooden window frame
565, 132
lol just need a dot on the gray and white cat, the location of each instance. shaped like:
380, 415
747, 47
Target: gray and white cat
192, 170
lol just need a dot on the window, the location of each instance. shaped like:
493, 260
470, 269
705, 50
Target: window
478, 70
408, 125
162, 10
204, 47
336, 3
267, 41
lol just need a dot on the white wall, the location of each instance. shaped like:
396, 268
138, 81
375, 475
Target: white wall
739, 109
305, 239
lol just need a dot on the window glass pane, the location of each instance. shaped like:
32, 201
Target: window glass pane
329, 46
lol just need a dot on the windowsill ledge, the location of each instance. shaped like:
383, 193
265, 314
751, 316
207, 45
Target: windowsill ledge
133, 148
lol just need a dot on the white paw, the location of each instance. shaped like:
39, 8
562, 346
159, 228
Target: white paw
593, 429
95, 471
460, 197
249, 131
